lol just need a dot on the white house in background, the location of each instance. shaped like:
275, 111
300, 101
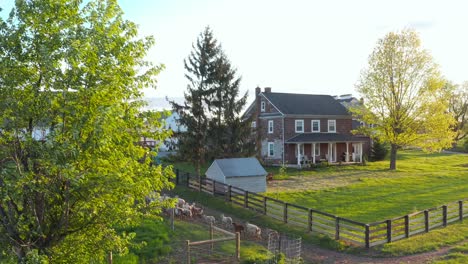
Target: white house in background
171, 123
244, 173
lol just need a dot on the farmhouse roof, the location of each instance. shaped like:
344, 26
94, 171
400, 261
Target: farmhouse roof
306, 104
324, 137
240, 167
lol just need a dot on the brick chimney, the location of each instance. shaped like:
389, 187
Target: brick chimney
267, 89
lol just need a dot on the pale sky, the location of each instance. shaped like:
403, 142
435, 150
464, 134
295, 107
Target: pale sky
314, 47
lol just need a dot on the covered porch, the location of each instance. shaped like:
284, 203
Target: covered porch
312, 148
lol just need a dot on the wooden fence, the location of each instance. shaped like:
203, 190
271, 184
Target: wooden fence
229, 237
339, 228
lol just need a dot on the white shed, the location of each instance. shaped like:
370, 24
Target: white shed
244, 173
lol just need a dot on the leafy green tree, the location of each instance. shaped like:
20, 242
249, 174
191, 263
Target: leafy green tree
404, 96
70, 86
458, 106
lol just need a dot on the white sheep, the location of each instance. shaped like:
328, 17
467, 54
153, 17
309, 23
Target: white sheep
226, 220
253, 230
209, 219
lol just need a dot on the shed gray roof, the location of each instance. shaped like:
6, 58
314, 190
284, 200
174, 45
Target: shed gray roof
306, 104
324, 137
240, 167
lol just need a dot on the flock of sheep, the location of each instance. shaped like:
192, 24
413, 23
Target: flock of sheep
188, 211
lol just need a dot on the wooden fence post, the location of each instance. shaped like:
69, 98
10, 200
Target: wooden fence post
238, 246
199, 183
110, 259
460, 210
177, 176
229, 194
389, 231
285, 213
310, 220
337, 228
211, 236
264, 205
426, 220
406, 226
367, 234
188, 251
444, 215
246, 197
214, 187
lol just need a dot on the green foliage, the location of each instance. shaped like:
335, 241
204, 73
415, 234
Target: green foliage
404, 96
458, 107
74, 72
379, 150
212, 107
151, 241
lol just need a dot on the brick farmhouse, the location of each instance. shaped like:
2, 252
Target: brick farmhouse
304, 128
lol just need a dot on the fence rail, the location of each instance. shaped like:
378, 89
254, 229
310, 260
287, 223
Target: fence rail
339, 228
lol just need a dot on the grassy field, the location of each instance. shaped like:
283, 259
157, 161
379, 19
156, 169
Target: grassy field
155, 243
372, 193
457, 255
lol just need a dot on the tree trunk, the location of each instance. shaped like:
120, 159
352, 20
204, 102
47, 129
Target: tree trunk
393, 154
21, 254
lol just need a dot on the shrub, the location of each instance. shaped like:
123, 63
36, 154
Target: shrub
379, 150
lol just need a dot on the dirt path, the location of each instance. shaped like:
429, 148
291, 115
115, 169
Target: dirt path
315, 254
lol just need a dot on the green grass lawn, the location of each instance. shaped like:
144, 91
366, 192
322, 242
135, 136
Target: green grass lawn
457, 255
372, 193
155, 242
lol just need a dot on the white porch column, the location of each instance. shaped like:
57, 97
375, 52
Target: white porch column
329, 152
313, 153
334, 152
347, 152
360, 152
298, 154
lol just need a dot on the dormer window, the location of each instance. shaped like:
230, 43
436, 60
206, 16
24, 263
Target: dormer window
299, 124
262, 106
332, 126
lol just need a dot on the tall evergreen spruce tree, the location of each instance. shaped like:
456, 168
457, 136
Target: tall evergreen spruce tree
200, 70
211, 111
229, 133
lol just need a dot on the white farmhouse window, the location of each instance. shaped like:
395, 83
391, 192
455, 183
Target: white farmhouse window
332, 126
262, 106
270, 126
271, 149
254, 124
299, 124
315, 125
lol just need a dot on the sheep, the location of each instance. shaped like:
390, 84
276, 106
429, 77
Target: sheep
253, 230
226, 220
238, 228
180, 202
186, 212
197, 211
209, 219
